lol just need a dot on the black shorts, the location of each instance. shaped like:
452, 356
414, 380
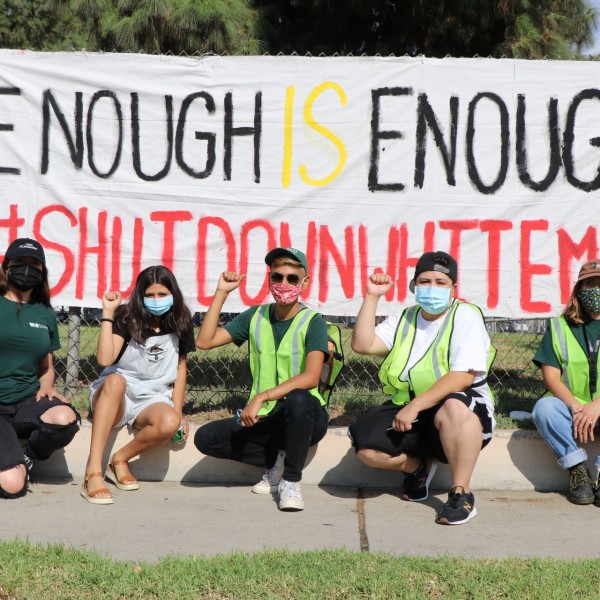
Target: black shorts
373, 431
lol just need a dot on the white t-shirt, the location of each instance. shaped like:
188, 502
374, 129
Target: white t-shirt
469, 344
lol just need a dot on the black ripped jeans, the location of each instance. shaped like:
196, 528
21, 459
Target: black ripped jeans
294, 425
23, 420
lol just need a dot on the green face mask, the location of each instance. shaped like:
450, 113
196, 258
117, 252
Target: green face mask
590, 300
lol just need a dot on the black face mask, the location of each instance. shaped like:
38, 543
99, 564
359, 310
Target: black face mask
24, 277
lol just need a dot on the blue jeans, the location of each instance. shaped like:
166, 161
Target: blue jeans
554, 421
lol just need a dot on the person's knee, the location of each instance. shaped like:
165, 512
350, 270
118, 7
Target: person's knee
59, 415
453, 411
544, 410
13, 482
114, 387
299, 403
202, 440
49, 437
168, 423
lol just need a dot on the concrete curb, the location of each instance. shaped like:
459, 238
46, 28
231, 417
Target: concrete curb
514, 460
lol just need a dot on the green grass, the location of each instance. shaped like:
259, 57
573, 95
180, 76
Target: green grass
38, 573
219, 379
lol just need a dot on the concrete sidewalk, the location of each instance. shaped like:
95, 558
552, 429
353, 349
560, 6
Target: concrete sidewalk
514, 460
193, 505
168, 518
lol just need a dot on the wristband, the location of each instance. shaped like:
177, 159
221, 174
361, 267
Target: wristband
267, 393
107, 319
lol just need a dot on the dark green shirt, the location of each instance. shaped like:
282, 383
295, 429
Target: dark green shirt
27, 333
545, 354
316, 335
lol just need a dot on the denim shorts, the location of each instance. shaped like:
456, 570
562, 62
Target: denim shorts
133, 406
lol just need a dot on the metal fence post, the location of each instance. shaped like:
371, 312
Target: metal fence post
73, 351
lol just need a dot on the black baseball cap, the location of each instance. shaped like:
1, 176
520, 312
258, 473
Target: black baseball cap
22, 247
435, 261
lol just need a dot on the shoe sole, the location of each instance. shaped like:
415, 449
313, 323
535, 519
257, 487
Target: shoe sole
430, 475
94, 499
582, 501
263, 489
125, 487
472, 514
291, 506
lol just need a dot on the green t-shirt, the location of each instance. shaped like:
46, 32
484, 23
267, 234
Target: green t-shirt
28, 332
316, 335
545, 354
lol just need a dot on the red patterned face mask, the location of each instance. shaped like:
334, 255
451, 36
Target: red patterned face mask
284, 293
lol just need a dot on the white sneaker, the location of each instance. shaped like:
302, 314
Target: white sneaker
270, 481
290, 496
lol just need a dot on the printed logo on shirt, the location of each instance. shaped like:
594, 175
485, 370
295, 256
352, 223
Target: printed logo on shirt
156, 353
38, 326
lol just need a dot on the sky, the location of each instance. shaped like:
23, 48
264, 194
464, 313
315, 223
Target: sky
596, 48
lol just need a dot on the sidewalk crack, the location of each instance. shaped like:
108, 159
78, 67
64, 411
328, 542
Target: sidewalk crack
362, 528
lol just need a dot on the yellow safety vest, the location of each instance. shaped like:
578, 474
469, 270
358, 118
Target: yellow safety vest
434, 364
573, 360
270, 366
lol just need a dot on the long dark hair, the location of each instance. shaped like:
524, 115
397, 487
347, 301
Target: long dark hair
574, 312
40, 293
136, 317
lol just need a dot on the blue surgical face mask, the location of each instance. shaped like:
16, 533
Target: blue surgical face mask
434, 300
159, 306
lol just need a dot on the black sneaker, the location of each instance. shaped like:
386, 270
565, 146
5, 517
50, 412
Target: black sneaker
28, 462
581, 489
597, 492
459, 508
416, 485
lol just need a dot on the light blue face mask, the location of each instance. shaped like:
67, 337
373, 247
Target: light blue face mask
434, 300
159, 306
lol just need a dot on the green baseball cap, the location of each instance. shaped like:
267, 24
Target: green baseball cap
289, 253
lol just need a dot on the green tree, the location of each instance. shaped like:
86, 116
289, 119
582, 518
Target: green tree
162, 26
512, 28
33, 24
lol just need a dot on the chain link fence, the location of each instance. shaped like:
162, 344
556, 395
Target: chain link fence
220, 378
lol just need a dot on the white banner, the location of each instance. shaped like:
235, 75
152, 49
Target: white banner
116, 162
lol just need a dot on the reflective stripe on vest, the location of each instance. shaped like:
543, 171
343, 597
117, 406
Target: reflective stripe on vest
574, 363
271, 366
433, 365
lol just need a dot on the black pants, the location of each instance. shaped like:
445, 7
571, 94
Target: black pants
23, 420
294, 425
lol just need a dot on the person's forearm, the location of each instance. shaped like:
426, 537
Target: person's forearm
179, 387
105, 352
302, 381
210, 322
454, 381
563, 393
46, 378
363, 334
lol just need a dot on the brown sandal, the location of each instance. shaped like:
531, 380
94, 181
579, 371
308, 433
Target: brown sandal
127, 483
92, 497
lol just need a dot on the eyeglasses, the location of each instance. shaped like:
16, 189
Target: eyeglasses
291, 278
